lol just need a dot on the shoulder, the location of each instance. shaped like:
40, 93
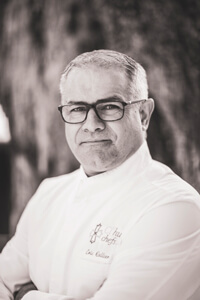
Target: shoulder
51, 189
171, 211
58, 181
50, 195
169, 185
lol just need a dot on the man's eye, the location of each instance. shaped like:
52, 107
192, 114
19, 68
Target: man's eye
78, 109
110, 107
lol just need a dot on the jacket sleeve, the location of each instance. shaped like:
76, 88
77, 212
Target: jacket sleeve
37, 295
14, 266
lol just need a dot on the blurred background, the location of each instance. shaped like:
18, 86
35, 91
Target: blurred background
39, 37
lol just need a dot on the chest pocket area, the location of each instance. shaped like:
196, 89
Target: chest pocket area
101, 244
92, 258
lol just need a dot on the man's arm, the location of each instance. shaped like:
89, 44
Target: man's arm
14, 270
13, 265
4, 292
24, 290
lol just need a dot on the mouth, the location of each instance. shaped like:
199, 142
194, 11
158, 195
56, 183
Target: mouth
95, 142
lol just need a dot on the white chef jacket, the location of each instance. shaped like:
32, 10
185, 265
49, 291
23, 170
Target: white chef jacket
132, 233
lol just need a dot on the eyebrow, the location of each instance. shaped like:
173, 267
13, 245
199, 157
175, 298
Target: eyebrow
113, 98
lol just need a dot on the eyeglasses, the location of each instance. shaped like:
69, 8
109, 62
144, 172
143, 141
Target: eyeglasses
108, 111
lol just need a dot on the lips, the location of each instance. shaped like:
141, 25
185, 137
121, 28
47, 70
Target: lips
95, 141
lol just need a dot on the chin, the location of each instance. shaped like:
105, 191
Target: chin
100, 161
98, 167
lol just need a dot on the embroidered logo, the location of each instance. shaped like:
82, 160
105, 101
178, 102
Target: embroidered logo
105, 234
103, 241
95, 233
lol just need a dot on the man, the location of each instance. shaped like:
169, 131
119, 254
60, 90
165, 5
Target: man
123, 226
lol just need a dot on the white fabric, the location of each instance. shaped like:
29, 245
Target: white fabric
132, 233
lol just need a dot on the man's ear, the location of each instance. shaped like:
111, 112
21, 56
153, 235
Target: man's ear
146, 111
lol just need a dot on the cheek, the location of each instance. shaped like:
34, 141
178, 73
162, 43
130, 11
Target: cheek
134, 123
70, 134
130, 132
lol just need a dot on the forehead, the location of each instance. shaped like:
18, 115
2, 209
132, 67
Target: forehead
93, 83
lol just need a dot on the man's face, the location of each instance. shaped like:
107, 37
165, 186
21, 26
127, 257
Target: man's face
98, 145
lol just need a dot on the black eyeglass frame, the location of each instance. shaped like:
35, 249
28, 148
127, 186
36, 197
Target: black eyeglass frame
89, 106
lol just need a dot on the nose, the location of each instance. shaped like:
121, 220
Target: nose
93, 123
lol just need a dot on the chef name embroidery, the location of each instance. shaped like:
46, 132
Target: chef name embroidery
106, 236
109, 235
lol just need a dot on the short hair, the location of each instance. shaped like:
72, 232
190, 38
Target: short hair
112, 59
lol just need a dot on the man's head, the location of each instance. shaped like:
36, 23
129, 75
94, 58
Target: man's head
103, 136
